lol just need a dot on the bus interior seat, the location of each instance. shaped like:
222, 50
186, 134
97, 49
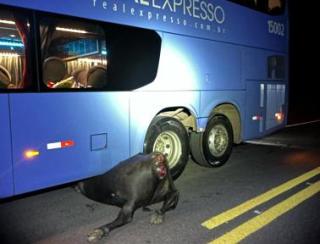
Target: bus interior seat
5, 77
80, 77
54, 70
97, 76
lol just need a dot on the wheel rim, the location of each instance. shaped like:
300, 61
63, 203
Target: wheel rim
218, 140
169, 144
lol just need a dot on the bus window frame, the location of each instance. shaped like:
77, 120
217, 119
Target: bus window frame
43, 88
106, 27
32, 79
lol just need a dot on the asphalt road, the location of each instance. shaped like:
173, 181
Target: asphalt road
287, 214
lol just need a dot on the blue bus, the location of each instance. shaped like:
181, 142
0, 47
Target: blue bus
85, 84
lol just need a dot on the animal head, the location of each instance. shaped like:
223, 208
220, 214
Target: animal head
160, 165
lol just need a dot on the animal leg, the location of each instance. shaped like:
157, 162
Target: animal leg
124, 217
169, 203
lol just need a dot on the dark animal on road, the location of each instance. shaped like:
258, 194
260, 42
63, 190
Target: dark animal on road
136, 182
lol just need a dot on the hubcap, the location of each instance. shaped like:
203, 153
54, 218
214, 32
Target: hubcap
169, 144
218, 140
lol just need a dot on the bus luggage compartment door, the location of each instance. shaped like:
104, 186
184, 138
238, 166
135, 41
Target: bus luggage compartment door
255, 110
6, 179
266, 108
68, 135
276, 106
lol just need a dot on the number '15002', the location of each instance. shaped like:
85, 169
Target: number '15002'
276, 28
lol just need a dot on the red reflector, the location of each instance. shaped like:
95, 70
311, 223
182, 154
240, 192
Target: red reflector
50, 84
68, 143
257, 117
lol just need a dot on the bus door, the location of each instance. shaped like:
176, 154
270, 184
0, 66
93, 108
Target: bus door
6, 180
66, 136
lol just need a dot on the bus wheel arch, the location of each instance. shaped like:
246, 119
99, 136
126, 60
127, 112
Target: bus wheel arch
183, 114
232, 113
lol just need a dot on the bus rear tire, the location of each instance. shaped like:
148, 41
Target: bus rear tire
168, 136
213, 147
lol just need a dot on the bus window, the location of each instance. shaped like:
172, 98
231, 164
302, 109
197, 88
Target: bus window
134, 57
74, 54
14, 32
273, 7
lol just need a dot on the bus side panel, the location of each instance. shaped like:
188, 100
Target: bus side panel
77, 135
221, 20
6, 179
266, 80
188, 63
211, 99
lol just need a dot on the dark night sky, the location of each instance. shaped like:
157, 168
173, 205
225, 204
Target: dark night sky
304, 62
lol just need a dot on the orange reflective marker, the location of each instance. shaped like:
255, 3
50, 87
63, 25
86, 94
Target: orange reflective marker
29, 154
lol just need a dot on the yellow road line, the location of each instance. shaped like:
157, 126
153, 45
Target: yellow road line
256, 223
246, 206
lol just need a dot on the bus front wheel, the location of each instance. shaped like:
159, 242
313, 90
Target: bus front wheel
168, 136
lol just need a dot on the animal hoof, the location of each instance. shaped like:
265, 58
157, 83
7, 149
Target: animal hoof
95, 235
157, 218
